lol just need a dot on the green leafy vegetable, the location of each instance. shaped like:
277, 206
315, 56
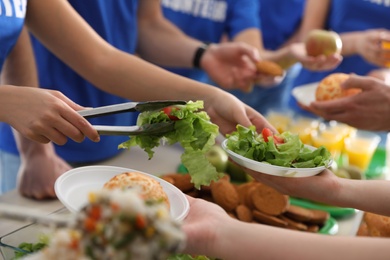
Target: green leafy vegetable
32, 247
192, 129
188, 257
291, 153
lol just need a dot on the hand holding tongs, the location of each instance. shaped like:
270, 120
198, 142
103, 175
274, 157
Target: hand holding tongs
150, 129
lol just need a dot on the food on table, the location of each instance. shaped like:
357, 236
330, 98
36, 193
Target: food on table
256, 202
322, 42
329, 88
117, 224
269, 68
192, 129
374, 225
150, 189
285, 149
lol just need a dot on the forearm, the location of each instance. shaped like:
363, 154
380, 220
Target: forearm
371, 195
350, 41
257, 241
164, 44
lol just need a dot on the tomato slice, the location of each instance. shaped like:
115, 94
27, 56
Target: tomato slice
168, 111
266, 132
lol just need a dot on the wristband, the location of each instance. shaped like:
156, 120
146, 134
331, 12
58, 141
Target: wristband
199, 53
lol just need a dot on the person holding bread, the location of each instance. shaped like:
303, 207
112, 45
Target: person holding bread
364, 29
211, 231
270, 26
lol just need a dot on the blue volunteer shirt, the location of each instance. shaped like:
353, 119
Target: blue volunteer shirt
12, 15
349, 16
115, 21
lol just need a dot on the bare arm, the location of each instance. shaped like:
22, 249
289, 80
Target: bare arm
212, 232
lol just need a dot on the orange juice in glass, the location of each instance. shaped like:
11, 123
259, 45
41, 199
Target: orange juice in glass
279, 120
303, 127
360, 148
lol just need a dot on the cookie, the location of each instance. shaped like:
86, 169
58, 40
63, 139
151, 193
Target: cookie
377, 225
225, 195
269, 68
268, 220
299, 214
244, 213
269, 201
291, 224
181, 181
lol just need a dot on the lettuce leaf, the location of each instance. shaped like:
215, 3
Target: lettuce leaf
193, 130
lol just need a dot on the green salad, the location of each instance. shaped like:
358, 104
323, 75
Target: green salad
285, 149
192, 129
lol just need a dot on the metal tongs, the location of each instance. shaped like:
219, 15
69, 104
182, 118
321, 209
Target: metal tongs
150, 129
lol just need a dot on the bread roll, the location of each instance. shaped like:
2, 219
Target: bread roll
151, 189
269, 68
330, 87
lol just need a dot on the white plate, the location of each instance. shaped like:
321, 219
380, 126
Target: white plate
72, 188
305, 94
272, 169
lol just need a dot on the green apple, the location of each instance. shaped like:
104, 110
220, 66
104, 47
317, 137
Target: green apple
323, 42
236, 172
218, 158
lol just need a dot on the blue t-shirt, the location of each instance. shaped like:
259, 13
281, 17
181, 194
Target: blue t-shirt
279, 20
12, 15
208, 21
349, 16
115, 21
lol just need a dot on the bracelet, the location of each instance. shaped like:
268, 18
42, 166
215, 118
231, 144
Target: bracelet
199, 53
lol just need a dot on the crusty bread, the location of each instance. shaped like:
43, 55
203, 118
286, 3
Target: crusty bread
329, 87
377, 225
151, 189
269, 68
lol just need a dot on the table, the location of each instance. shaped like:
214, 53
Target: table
165, 160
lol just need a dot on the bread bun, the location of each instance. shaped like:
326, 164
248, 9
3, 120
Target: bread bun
151, 189
329, 88
269, 68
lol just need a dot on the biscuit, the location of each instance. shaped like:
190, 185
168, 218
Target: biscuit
291, 224
181, 181
269, 68
150, 188
269, 220
319, 216
299, 214
244, 213
377, 225
269, 201
225, 195
329, 87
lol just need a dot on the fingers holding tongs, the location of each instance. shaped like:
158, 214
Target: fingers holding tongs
158, 128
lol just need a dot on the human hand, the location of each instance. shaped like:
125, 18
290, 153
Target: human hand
227, 111
368, 110
231, 65
312, 188
46, 115
369, 46
40, 167
297, 51
201, 226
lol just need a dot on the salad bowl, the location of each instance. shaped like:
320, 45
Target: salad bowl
267, 168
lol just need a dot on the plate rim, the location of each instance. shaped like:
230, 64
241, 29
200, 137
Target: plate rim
71, 172
302, 88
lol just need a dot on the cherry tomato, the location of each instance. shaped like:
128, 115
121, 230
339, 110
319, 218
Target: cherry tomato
167, 111
267, 133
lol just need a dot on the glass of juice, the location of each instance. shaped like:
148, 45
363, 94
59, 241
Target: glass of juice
303, 127
360, 147
279, 120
